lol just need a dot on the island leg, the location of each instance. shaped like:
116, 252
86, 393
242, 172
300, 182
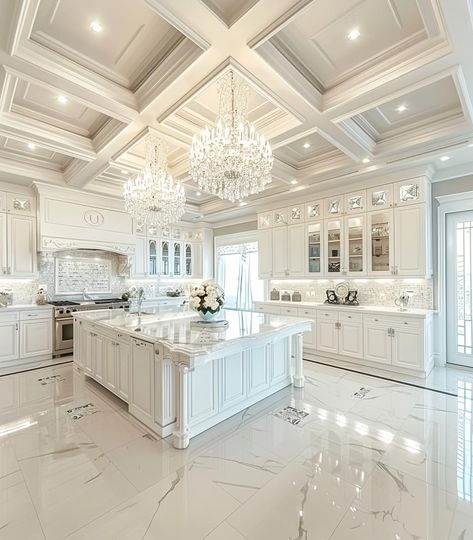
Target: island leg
181, 435
297, 346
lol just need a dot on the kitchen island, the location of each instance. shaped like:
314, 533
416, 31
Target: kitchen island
180, 376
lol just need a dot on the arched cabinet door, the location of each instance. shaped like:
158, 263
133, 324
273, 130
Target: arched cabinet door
188, 257
152, 258
177, 266
165, 258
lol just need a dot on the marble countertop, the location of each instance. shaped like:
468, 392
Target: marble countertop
24, 307
181, 330
377, 310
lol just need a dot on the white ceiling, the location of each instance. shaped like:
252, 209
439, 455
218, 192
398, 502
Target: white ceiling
155, 65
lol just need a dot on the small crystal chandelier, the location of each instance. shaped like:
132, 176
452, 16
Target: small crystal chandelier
152, 196
231, 160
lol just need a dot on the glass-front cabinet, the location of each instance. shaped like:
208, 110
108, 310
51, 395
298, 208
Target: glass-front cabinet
314, 249
381, 253
152, 257
165, 270
355, 257
188, 259
177, 256
334, 246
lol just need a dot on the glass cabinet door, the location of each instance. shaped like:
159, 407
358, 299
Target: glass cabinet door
380, 256
334, 246
165, 258
177, 259
188, 255
152, 258
355, 245
314, 246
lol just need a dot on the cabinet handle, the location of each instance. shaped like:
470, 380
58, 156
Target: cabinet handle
16, 327
376, 320
392, 332
349, 316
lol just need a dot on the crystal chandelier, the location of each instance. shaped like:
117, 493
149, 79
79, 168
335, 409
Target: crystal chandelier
231, 160
152, 196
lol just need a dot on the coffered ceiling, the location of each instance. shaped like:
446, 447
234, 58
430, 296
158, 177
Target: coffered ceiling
343, 89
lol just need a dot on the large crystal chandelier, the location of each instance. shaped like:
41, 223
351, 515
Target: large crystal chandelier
231, 160
152, 196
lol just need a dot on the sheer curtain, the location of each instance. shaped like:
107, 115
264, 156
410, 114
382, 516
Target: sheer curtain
237, 272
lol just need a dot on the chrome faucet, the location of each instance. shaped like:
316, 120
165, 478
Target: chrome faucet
139, 294
86, 295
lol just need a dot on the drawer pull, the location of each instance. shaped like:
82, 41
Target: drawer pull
349, 316
376, 320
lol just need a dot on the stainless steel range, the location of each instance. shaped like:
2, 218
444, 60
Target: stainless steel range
64, 324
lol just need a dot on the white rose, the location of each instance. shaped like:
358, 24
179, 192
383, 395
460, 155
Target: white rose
214, 305
195, 302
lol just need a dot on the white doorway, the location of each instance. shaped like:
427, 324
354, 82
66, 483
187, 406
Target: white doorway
459, 288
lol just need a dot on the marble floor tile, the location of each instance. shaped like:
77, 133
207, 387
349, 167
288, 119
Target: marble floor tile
182, 506
396, 505
462, 526
224, 532
18, 518
303, 501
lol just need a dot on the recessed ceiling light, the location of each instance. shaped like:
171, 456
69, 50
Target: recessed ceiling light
366, 160
293, 182
198, 193
124, 172
306, 145
353, 34
401, 108
96, 26
32, 146
62, 99
444, 158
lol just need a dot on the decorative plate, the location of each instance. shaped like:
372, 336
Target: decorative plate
341, 290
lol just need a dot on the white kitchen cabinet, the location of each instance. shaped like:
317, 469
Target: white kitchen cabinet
380, 197
165, 258
355, 202
314, 249
9, 349
265, 253
381, 243
23, 205
98, 345
3, 244
140, 259
87, 349
36, 337
203, 404
327, 332
258, 370
123, 361
165, 396
141, 398
334, 247
279, 243
296, 250
350, 338
377, 341
77, 343
111, 368
232, 371
407, 346
411, 191
354, 255
334, 206
21, 246
153, 257
279, 361
310, 337
411, 251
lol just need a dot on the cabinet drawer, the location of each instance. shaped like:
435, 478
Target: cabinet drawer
400, 323
370, 320
350, 317
8, 317
327, 315
307, 312
32, 315
289, 311
267, 308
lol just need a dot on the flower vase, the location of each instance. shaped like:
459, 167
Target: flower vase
208, 316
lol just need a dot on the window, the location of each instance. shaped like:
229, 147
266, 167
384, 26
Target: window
237, 272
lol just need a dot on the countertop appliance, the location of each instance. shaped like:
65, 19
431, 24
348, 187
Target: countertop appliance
64, 324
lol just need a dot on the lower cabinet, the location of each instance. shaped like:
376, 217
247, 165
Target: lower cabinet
258, 370
36, 338
9, 349
327, 332
232, 370
377, 339
407, 346
141, 399
350, 335
122, 368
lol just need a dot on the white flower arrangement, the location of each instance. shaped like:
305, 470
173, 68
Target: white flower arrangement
207, 298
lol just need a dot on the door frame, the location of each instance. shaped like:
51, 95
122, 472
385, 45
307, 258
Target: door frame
448, 204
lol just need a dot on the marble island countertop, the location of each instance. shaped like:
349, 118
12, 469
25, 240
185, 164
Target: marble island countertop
25, 307
180, 328
378, 310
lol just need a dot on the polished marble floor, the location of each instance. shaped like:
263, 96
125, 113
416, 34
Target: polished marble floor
372, 459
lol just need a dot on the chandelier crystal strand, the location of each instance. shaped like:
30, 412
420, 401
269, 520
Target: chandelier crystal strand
152, 196
231, 160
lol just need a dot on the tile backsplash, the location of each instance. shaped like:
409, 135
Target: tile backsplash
373, 292
24, 291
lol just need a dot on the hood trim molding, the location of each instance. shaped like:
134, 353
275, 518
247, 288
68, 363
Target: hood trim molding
50, 244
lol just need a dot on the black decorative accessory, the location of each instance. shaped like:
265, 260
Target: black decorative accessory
351, 298
331, 297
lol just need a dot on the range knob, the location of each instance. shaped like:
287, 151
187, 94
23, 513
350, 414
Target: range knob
61, 312
74, 310
68, 311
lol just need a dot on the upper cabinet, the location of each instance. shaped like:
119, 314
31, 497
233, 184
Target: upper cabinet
375, 232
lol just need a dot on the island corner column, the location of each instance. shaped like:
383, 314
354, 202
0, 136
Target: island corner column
297, 357
181, 435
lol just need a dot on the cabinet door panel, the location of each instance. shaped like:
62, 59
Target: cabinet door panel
265, 253
140, 266
36, 338
408, 349
351, 339
377, 344
9, 341
87, 349
77, 343
142, 382
3, 244
123, 363
21, 245
279, 361
202, 393
410, 241
99, 355
279, 250
111, 364
327, 336
296, 250
232, 380
258, 370
381, 243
